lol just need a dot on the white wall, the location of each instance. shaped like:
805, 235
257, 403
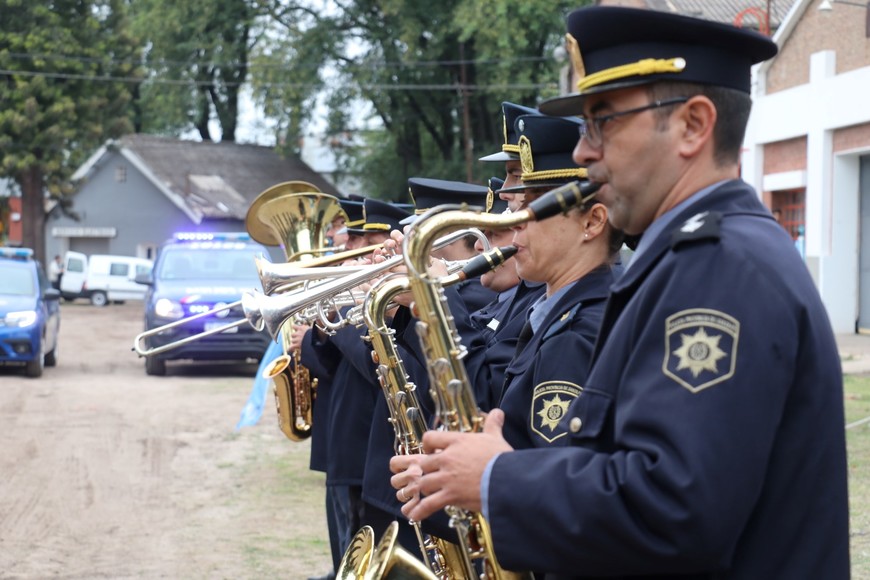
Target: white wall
828, 102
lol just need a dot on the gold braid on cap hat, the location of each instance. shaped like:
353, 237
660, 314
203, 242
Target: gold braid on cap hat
647, 66
528, 165
507, 147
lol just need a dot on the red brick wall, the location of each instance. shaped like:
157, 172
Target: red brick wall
852, 137
843, 29
790, 155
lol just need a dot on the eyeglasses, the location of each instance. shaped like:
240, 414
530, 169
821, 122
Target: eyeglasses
592, 129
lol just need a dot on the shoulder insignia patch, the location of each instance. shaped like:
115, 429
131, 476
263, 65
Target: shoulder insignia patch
700, 348
701, 226
550, 402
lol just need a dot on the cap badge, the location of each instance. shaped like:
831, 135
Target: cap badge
526, 159
574, 52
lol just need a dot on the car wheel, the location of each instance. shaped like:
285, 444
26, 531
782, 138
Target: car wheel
154, 366
34, 367
99, 299
51, 358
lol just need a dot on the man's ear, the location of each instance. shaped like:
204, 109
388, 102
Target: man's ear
697, 120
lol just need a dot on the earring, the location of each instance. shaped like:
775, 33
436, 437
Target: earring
586, 235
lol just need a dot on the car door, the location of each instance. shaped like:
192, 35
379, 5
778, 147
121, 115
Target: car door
75, 271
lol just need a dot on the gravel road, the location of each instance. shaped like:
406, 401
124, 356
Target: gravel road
108, 473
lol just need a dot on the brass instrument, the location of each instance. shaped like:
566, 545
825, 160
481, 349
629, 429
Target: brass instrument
443, 558
296, 216
272, 274
456, 408
358, 555
272, 311
363, 560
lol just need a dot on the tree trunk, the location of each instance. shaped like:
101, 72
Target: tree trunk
33, 211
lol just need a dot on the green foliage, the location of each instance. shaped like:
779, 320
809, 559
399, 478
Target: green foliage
397, 66
197, 52
56, 106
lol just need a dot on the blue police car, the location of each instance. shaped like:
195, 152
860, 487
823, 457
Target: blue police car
195, 273
29, 313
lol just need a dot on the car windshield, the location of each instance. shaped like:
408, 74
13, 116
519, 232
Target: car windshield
15, 281
209, 265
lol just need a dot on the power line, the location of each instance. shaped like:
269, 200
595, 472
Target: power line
365, 86
255, 65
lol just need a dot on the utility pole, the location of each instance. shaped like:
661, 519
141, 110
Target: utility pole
466, 117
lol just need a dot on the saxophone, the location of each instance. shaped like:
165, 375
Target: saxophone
443, 558
293, 388
456, 408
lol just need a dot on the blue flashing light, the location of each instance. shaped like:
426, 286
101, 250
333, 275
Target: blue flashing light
16, 253
211, 237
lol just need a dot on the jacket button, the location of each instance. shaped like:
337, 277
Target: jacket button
575, 425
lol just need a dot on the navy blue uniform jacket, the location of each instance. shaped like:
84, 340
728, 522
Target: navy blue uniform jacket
376, 485
353, 392
548, 373
486, 367
709, 438
321, 366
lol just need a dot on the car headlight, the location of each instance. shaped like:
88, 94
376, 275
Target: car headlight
20, 319
166, 308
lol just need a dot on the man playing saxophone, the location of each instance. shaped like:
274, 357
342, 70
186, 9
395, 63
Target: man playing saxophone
688, 451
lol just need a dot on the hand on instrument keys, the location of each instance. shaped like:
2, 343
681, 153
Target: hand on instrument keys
299, 331
450, 471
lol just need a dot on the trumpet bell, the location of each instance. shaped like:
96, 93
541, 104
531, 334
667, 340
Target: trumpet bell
294, 215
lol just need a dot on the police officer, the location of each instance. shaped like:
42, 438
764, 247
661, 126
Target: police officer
510, 152
322, 367
573, 255
708, 441
353, 389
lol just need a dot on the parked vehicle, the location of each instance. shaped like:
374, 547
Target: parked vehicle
101, 278
193, 274
29, 313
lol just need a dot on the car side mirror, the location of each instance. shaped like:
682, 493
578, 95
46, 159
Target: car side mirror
51, 294
146, 279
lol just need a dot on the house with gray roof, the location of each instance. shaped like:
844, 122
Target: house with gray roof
136, 192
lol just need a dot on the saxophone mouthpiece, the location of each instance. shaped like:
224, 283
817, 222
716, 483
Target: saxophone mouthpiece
487, 261
563, 198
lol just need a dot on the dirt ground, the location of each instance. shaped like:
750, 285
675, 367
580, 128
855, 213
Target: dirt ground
108, 473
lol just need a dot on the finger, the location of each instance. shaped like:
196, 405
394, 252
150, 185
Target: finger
437, 440
426, 506
494, 422
407, 478
400, 463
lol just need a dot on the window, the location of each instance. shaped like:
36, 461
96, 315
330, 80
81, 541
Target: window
792, 204
118, 269
75, 265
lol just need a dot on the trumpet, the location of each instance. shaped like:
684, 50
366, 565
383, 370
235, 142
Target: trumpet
282, 277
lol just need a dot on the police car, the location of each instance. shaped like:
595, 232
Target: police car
29, 313
195, 273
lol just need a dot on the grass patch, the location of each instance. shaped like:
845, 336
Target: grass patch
857, 399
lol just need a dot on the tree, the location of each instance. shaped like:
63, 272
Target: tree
197, 55
428, 77
70, 64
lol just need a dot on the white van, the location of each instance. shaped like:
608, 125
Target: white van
101, 278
